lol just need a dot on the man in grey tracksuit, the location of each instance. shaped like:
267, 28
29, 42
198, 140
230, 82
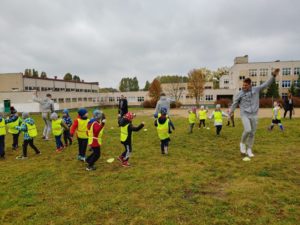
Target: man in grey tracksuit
248, 100
163, 102
47, 107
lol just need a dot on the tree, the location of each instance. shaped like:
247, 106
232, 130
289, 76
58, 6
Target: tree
43, 75
35, 73
106, 90
68, 77
129, 84
292, 89
298, 87
273, 90
28, 73
196, 83
76, 78
216, 75
166, 79
176, 88
155, 90
147, 85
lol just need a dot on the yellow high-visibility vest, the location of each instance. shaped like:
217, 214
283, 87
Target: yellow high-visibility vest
2, 127
12, 126
82, 128
278, 114
56, 127
218, 116
91, 135
202, 114
31, 129
163, 130
192, 117
124, 133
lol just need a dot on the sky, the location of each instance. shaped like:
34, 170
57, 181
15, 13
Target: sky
104, 41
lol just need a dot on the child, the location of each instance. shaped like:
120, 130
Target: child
30, 132
95, 131
276, 117
68, 121
217, 115
126, 136
2, 136
164, 126
192, 119
230, 117
202, 116
15, 121
80, 126
57, 126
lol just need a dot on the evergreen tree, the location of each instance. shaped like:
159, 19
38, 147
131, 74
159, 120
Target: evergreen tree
147, 85
43, 75
68, 77
35, 73
273, 90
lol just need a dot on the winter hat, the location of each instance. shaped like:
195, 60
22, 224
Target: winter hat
82, 112
13, 110
53, 116
97, 114
194, 109
163, 111
218, 106
202, 107
66, 111
25, 115
129, 116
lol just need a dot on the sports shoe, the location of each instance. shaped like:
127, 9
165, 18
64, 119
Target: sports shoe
38, 153
21, 157
125, 164
59, 149
121, 159
243, 148
166, 150
249, 152
82, 158
90, 168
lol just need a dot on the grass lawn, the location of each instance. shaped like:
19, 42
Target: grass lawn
202, 181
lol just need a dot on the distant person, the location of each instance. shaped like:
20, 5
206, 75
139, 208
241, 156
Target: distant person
289, 105
192, 119
123, 106
202, 115
218, 115
248, 100
68, 121
163, 102
58, 125
15, 120
47, 107
276, 118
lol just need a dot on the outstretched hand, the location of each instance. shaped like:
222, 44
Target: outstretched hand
275, 73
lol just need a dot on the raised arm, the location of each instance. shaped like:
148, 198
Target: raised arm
268, 82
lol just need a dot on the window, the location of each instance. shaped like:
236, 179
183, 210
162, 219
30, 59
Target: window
182, 88
68, 100
286, 84
297, 71
226, 81
118, 99
254, 83
242, 77
54, 100
207, 87
140, 99
79, 99
68, 90
284, 95
253, 72
90, 99
209, 97
26, 88
60, 100
296, 83
131, 99
74, 99
85, 99
286, 71
111, 99
263, 72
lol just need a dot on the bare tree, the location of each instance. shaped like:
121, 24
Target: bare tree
196, 83
175, 89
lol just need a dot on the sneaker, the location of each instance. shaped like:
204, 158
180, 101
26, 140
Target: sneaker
166, 151
21, 157
82, 158
121, 159
125, 164
2, 157
90, 168
59, 149
249, 152
243, 148
38, 153
78, 157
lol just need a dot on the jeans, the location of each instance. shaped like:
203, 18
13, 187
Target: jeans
94, 156
15, 143
67, 137
58, 142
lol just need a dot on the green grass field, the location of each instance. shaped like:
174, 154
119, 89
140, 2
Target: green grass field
202, 181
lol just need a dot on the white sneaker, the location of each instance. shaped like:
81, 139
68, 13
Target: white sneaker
249, 152
243, 148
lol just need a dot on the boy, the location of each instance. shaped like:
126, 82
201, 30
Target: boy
2, 136
68, 121
217, 115
202, 113
276, 117
95, 131
30, 132
80, 127
57, 126
192, 119
164, 126
126, 136
15, 121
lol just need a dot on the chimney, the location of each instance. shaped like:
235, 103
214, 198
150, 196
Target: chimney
55, 77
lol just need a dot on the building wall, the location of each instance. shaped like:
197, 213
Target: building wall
11, 82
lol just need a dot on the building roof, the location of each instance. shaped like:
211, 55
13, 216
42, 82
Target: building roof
55, 79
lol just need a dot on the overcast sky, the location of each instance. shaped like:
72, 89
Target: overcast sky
106, 40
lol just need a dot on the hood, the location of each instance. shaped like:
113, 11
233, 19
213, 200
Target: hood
29, 121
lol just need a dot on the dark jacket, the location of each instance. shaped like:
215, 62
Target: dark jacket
123, 122
123, 106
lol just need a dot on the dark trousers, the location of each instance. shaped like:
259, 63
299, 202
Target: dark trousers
231, 119
288, 110
15, 143
218, 129
191, 127
202, 122
2, 145
58, 142
82, 145
30, 143
163, 144
128, 149
94, 156
67, 138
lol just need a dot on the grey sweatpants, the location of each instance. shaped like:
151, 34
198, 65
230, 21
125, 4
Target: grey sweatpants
47, 128
250, 124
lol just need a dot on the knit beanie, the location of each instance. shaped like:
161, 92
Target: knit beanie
82, 112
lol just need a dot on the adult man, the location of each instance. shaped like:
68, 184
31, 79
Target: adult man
248, 100
47, 107
123, 106
163, 102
